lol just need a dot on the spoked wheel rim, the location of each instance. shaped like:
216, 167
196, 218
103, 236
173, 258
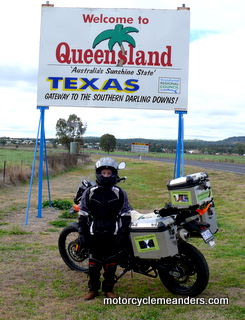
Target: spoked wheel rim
186, 273
76, 253
72, 253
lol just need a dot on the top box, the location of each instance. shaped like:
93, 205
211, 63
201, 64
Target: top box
190, 190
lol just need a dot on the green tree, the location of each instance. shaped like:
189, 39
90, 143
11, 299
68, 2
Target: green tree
3, 142
108, 143
117, 35
70, 130
240, 149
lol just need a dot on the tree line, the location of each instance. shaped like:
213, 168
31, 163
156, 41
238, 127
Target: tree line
109, 143
234, 145
74, 128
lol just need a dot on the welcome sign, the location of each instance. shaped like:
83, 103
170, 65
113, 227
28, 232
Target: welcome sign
118, 58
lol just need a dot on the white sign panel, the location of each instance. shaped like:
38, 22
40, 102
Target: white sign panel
140, 147
118, 58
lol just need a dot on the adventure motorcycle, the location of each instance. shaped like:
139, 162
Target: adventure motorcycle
157, 244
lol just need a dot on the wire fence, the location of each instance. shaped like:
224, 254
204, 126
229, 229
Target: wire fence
19, 173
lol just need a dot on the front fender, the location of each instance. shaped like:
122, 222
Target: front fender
74, 225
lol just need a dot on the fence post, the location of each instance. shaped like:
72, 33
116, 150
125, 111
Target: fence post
4, 170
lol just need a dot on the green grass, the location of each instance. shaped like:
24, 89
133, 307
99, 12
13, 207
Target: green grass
187, 156
59, 223
38, 285
21, 156
58, 204
24, 157
16, 157
14, 230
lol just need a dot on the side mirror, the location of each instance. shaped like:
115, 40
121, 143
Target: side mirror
122, 165
85, 183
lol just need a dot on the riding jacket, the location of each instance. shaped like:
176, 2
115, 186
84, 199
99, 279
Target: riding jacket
104, 211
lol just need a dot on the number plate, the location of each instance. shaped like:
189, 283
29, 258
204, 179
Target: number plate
211, 243
207, 235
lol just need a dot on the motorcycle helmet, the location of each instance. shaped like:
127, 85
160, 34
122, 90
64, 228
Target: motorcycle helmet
106, 163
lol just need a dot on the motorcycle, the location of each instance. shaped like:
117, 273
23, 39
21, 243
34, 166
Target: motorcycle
157, 244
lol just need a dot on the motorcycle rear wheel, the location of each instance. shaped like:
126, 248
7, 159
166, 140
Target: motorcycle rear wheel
188, 273
75, 259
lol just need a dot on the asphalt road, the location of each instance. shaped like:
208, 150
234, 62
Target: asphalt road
220, 166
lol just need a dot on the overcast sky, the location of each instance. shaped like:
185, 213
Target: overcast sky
216, 75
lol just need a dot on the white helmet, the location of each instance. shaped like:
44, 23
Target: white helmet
106, 163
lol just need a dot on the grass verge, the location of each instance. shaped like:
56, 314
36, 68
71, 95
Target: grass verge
36, 284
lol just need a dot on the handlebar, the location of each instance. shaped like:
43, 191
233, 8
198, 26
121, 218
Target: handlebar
121, 179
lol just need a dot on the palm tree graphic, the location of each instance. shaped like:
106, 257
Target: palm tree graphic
117, 35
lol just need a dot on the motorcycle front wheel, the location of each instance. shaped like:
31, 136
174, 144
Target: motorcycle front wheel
185, 274
71, 251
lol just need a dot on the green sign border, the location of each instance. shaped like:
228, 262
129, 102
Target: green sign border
187, 194
147, 237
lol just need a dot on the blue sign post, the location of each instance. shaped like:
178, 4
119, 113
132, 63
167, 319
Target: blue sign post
42, 152
179, 158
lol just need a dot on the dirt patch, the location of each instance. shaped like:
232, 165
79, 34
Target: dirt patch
14, 201
34, 223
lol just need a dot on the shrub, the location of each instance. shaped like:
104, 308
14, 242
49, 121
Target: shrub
58, 204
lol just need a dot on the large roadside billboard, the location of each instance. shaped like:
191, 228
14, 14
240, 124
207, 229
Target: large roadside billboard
118, 58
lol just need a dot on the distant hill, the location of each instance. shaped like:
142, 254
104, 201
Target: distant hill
227, 141
233, 140
232, 145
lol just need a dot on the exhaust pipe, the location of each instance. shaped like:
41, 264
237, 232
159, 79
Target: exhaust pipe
183, 235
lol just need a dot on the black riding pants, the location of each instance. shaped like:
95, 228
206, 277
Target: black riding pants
102, 253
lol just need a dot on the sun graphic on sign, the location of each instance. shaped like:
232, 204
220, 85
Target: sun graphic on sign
117, 35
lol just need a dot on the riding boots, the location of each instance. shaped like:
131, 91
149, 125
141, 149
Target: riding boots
111, 294
91, 295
